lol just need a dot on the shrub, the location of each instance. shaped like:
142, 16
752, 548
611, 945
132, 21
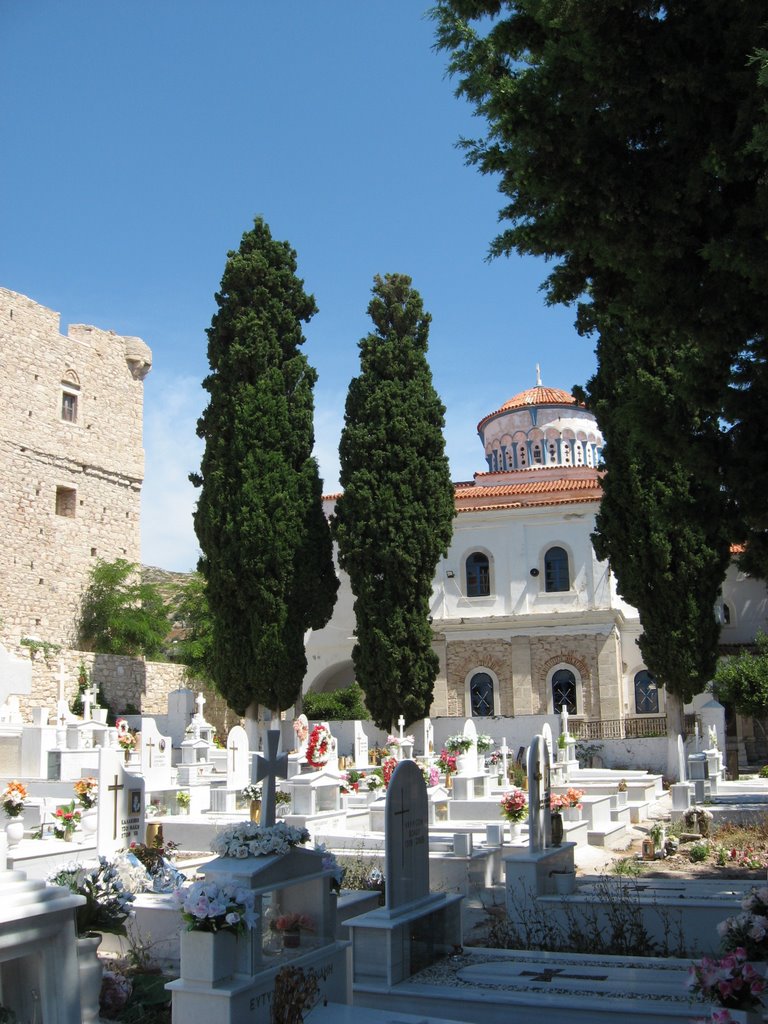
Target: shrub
699, 852
764, 772
346, 704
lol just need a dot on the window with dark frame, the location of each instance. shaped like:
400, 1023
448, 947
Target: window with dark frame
69, 406
556, 576
66, 502
478, 575
564, 691
646, 694
481, 695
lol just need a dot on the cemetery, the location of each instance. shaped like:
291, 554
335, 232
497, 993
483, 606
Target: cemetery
478, 867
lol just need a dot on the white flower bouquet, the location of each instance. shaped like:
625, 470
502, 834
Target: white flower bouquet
247, 839
208, 907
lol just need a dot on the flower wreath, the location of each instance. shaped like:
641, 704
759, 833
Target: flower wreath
319, 747
122, 727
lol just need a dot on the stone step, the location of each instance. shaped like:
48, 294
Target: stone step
610, 839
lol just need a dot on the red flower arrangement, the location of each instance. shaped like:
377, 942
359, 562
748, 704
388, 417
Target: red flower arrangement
514, 806
388, 765
319, 747
446, 762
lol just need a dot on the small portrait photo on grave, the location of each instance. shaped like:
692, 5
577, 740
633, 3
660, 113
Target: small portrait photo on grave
135, 801
161, 745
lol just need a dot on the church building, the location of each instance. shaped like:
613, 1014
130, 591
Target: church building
526, 619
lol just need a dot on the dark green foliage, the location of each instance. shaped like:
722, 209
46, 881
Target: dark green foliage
121, 615
630, 142
742, 681
395, 517
267, 557
337, 705
194, 617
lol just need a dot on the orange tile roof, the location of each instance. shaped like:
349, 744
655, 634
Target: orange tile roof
532, 396
544, 486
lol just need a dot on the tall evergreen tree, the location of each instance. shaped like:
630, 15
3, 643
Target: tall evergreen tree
267, 557
630, 139
395, 517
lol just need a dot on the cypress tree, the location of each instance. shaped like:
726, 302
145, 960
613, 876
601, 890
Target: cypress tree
395, 517
267, 558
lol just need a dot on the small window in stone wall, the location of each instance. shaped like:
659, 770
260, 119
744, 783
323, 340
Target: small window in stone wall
69, 406
66, 501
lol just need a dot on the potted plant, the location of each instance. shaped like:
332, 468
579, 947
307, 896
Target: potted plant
87, 795
252, 793
447, 763
14, 799
214, 915
571, 806
514, 808
460, 745
747, 930
66, 818
184, 799
291, 926
731, 983
282, 803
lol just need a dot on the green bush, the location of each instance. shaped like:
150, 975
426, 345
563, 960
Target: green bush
337, 705
764, 772
699, 852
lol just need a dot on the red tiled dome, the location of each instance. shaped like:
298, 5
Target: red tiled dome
538, 395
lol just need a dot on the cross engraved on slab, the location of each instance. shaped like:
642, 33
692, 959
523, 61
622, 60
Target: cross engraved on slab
233, 748
114, 788
556, 973
399, 814
270, 768
150, 744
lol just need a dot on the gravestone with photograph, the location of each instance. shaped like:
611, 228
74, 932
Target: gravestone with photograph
415, 927
121, 805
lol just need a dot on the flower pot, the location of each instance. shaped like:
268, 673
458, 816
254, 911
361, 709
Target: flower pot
565, 882
463, 764
514, 830
571, 814
14, 831
208, 956
291, 940
91, 971
556, 829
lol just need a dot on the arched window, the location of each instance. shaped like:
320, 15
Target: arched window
564, 691
537, 456
522, 455
556, 570
478, 575
646, 694
481, 695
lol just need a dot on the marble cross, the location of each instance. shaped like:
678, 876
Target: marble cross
400, 726
270, 768
564, 721
504, 751
200, 700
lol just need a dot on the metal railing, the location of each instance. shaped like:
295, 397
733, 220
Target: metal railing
619, 728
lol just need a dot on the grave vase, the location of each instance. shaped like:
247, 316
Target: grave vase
91, 971
292, 939
207, 956
14, 831
464, 763
571, 814
557, 829
255, 810
514, 830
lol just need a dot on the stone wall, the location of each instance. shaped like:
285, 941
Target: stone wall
522, 666
71, 463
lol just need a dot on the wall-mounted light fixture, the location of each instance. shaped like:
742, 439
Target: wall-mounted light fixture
534, 573
450, 574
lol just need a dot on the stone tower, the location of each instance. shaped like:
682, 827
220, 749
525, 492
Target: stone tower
71, 463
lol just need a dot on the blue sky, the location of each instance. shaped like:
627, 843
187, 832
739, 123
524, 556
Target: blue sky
141, 138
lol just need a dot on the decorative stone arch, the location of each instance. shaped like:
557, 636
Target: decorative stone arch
566, 663
481, 674
70, 377
69, 399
